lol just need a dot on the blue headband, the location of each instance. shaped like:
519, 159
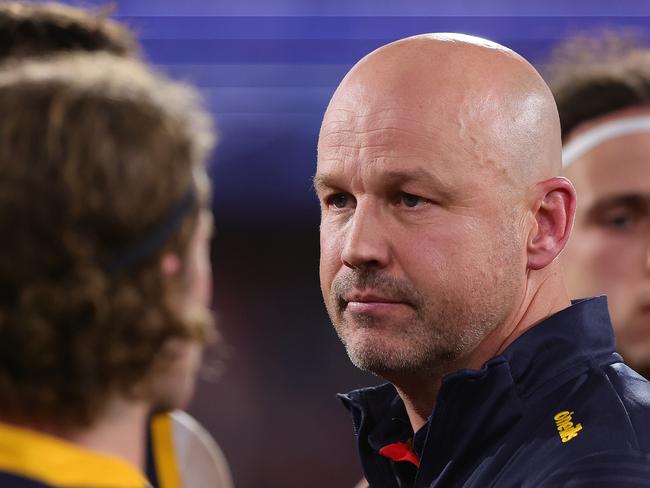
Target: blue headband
155, 239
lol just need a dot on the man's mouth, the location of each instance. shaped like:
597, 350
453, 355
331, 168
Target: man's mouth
363, 302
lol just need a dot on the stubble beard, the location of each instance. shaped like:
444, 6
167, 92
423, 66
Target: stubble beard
436, 333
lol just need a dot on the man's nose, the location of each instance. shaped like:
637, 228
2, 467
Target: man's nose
647, 253
366, 240
645, 240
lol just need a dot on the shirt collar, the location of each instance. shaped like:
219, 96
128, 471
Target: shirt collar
60, 463
493, 395
565, 339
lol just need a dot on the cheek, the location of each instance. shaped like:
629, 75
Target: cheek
420, 257
205, 279
609, 260
330, 257
174, 388
442, 250
597, 262
461, 257
432, 262
201, 273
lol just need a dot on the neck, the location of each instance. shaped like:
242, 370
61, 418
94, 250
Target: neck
419, 398
543, 296
119, 432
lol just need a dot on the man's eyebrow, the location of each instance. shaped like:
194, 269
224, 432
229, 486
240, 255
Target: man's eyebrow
631, 200
390, 178
396, 178
625, 199
322, 181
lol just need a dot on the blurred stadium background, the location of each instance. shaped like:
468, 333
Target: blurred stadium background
267, 70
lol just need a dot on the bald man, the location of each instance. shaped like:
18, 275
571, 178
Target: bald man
442, 218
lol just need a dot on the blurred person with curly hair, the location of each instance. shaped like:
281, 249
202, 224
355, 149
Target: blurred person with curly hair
43, 29
601, 83
180, 452
104, 268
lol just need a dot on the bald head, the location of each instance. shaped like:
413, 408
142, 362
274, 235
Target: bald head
441, 212
475, 95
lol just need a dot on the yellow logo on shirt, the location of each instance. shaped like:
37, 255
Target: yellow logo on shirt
566, 427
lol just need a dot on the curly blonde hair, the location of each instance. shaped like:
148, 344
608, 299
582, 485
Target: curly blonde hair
35, 29
95, 152
596, 73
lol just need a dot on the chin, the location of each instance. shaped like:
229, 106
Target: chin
175, 396
167, 405
381, 355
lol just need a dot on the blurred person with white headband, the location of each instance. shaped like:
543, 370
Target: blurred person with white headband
602, 88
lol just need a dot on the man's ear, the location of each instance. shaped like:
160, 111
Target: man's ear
554, 209
170, 264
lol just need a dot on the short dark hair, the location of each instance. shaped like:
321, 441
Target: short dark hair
594, 75
95, 150
28, 30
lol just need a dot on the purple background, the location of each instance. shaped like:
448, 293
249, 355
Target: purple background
267, 70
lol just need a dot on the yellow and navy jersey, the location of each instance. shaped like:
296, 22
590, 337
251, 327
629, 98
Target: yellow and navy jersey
181, 454
8, 480
30, 459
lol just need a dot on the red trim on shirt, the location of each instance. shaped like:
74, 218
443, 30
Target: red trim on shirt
400, 451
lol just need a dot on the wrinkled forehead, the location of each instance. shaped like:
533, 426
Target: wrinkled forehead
393, 147
399, 97
381, 123
427, 92
387, 133
472, 110
395, 130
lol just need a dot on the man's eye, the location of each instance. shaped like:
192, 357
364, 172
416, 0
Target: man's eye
619, 221
410, 201
340, 200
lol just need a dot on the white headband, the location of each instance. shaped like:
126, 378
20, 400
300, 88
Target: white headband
586, 141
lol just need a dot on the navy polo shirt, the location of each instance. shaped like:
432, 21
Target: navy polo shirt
557, 408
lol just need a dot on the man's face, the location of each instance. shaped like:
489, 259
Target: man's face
609, 251
421, 257
175, 388
199, 268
